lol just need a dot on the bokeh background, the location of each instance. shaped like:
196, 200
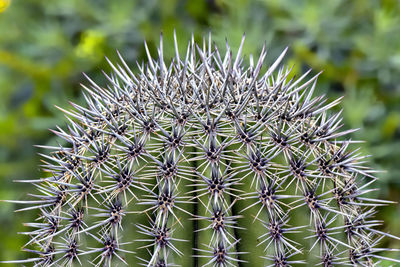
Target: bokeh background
46, 45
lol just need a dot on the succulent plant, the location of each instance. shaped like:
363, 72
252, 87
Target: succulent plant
204, 161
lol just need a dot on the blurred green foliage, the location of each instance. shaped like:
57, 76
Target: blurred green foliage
46, 45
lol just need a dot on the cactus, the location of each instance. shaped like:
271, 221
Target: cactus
204, 162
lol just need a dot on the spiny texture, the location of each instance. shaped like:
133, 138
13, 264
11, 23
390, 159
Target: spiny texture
204, 162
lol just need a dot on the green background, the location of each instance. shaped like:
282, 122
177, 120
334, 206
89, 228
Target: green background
46, 45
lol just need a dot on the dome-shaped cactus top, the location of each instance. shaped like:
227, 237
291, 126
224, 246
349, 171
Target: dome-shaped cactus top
204, 161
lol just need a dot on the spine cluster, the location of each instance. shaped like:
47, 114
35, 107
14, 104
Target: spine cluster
182, 164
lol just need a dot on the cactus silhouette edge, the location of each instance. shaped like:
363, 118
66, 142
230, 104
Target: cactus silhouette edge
204, 161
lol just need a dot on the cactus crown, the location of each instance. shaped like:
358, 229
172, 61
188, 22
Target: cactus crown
204, 162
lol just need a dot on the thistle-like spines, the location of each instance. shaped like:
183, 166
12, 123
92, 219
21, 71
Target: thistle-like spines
238, 137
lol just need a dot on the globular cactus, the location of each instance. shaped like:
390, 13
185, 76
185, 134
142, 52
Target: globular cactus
204, 162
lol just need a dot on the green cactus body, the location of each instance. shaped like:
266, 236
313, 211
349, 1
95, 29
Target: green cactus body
204, 162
